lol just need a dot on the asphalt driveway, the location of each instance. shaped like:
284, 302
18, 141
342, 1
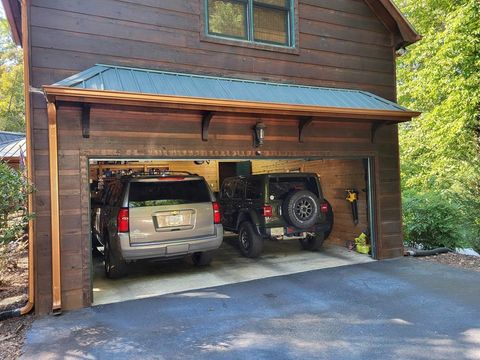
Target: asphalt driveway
399, 309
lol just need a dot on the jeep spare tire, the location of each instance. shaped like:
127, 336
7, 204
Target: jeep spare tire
301, 209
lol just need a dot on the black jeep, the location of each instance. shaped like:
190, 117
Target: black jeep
280, 206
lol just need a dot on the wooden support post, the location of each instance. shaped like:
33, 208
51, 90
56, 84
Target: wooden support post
302, 125
86, 121
207, 117
54, 208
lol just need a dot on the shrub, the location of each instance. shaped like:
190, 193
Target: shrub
432, 220
13, 203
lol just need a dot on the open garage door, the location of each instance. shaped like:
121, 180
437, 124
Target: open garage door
165, 214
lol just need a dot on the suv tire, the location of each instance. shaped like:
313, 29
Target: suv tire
203, 258
301, 209
250, 243
312, 242
115, 266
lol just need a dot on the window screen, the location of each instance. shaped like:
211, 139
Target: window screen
270, 24
256, 21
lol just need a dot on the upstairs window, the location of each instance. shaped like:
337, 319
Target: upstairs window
255, 21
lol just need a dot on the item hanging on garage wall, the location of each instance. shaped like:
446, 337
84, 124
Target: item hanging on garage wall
352, 197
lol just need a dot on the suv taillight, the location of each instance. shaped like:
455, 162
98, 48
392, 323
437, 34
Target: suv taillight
216, 213
324, 207
267, 211
122, 220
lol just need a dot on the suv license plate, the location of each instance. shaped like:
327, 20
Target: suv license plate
277, 231
174, 220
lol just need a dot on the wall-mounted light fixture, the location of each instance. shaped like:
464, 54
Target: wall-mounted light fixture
259, 134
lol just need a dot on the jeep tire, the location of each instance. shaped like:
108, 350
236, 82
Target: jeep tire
301, 209
250, 243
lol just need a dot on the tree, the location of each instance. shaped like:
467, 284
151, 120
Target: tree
12, 106
226, 18
440, 76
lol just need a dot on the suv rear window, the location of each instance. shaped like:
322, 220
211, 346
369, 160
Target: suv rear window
282, 186
168, 193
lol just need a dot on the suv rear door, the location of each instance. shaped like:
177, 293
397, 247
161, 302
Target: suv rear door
167, 209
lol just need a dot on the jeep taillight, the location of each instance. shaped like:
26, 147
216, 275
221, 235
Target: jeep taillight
122, 220
267, 211
216, 213
324, 207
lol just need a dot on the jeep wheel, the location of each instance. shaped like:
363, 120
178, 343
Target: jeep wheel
249, 241
301, 209
115, 266
203, 258
312, 243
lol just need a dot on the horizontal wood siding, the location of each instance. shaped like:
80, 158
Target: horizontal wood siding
341, 44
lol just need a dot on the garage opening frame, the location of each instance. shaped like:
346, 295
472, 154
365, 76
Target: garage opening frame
371, 178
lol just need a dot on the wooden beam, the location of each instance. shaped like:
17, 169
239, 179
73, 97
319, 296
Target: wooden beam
218, 105
54, 208
29, 162
86, 121
206, 118
302, 125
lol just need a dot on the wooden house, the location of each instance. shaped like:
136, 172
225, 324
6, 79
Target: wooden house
171, 80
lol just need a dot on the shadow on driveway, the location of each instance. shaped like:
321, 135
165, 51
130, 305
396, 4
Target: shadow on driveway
397, 309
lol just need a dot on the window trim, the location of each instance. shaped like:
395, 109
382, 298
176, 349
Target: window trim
249, 41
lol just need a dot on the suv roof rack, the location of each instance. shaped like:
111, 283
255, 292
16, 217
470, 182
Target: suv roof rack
160, 173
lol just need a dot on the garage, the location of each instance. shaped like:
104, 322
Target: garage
113, 118
162, 275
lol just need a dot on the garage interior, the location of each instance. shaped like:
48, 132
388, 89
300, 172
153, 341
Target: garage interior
154, 277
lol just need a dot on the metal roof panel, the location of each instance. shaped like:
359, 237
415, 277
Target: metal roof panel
120, 78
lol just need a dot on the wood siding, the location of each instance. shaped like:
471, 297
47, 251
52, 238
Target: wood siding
341, 44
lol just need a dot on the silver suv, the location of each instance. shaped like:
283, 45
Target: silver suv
158, 216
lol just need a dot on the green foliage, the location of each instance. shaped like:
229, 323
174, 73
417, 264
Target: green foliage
12, 107
13, 200
226, 17
431, 220
440, 76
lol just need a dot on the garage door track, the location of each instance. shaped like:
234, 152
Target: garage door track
398, 309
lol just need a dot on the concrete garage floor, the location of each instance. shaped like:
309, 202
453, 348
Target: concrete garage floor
398, 309
150, 278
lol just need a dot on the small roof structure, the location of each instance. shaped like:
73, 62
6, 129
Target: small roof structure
12, 147
8, 137
143, 81
119, 85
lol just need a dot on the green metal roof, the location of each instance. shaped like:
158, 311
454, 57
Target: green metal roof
119, 78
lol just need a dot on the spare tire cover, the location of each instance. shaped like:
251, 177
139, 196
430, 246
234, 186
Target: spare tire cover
301, 209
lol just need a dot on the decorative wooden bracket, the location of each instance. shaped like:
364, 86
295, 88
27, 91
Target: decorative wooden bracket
86, 121
302, 125
207, 117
